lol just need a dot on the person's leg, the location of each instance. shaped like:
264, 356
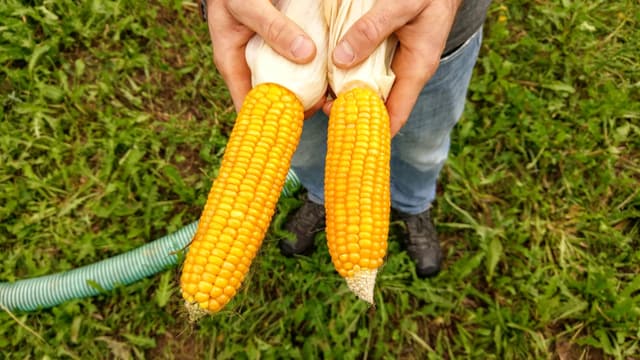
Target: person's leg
309, 158
308, 164
421, 148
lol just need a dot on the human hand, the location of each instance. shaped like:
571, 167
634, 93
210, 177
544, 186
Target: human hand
233, 22
422, 28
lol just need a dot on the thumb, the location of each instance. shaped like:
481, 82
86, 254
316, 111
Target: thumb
280, 32
368, 32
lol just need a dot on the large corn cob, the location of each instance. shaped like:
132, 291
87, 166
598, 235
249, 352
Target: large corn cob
265, 135
243, 196
357, 194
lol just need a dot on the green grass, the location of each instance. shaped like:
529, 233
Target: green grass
112, 124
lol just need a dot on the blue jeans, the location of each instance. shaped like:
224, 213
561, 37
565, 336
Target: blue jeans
419, 150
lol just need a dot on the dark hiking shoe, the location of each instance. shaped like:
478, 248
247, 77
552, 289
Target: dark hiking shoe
421, 242
307, 221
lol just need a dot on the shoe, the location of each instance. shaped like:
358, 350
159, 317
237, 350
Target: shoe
307, 221
421, 242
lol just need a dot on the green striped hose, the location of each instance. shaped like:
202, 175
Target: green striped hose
149, 259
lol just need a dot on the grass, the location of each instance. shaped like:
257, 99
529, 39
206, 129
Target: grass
112, 124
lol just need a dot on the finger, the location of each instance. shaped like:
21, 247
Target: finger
371, 29
236, 75
228, 41
228, 56
326, 108
281, 33
417, 58
312, 110
412, 73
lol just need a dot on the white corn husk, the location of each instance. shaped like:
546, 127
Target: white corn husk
375, 72
307, 81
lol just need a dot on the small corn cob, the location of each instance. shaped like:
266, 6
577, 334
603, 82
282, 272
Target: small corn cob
357, 195
243, 196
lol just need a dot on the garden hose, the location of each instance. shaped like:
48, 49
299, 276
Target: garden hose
90, 280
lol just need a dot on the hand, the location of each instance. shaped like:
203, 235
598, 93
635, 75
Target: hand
422, 28
233, 22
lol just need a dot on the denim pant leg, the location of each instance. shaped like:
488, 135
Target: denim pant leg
308, 160
421, 148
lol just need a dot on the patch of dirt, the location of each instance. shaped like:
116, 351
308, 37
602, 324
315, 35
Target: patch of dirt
564, 349
180, 340
178, 346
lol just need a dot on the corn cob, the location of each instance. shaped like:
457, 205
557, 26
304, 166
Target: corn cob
357, 198
243, 196
357, 174
242, 199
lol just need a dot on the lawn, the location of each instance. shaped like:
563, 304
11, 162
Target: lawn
113, 121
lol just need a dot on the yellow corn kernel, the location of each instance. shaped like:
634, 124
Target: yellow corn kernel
357, 193
227, 238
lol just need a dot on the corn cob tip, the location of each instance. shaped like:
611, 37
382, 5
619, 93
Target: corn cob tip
362, 284
195, 312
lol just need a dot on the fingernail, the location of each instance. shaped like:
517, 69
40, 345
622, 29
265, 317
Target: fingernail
301, 47
343, 54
